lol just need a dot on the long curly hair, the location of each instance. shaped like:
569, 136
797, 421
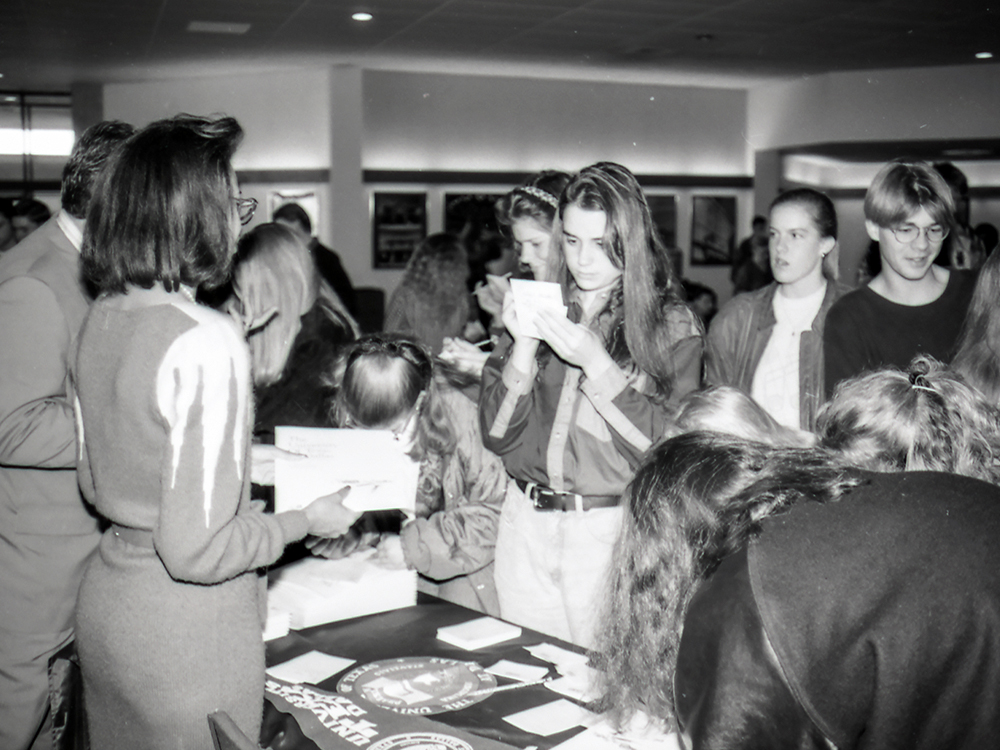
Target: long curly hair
978, 357
649, 298
925, 419
433, 294
697, 498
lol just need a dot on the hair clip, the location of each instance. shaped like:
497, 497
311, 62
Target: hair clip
538, 194
918, 381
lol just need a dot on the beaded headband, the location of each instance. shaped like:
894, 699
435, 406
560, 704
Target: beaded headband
538, 194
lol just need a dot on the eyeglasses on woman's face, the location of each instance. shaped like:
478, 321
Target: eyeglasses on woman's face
245, 207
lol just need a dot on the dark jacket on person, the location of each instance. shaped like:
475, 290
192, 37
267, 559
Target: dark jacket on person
738, 337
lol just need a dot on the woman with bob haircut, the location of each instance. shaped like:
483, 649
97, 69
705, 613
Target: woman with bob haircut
390, 382
924, 419
295, 326
769, 342
912, 306
571, 413
169, 617
773, 597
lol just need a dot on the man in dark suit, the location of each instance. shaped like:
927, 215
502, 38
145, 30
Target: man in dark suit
46, 531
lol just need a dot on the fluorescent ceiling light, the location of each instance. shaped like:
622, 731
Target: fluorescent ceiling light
362, 16
984, 55
215, 27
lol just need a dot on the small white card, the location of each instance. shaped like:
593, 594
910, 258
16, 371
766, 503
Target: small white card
310, 668
530, 298
478, 633
565, 661
582, 683
513, 670
552, 718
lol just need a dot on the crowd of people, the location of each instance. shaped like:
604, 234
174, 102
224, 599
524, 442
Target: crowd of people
774, 527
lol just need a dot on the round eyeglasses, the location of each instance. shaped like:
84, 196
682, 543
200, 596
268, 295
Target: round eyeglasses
245, 207
907, 233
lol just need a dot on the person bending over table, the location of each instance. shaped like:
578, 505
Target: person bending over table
772, 597
170, 613
389, 382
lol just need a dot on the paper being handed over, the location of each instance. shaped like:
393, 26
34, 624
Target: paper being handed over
372, 462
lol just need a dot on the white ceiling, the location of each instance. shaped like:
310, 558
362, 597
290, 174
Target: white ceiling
49, 44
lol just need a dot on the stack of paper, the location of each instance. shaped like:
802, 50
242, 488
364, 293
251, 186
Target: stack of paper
531, 298
478, 633
313, 591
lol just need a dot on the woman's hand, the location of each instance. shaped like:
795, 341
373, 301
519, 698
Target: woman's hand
490, 295
463, 356
389, 553
574, 343
328, 516
523, 352
262, 458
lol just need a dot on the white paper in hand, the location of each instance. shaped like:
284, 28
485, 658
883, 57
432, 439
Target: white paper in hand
372, 462
530, 298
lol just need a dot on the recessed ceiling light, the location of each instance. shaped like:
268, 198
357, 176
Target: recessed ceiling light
215, 27
984, 55
362, 16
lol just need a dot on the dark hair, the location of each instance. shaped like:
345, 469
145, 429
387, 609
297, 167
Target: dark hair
954, 176
696, 499
649, 296
163, 209
760, 221
988, 236
34, 210
527, 202
380, 377
820, 207
87, 160
901, 188
295, 214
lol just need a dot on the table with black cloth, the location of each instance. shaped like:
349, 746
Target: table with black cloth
412, 632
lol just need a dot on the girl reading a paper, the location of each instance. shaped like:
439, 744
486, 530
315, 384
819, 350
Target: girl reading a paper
572, 411
389, 382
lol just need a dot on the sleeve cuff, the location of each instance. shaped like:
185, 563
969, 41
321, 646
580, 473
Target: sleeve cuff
294, 524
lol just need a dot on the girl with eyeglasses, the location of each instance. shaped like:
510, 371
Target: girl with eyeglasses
913, 305
390, 383
170, 611
572, 412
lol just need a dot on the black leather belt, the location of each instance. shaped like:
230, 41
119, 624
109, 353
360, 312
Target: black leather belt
542, 498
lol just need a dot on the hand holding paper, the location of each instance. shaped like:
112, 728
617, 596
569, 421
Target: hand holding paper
328, 516
530, 299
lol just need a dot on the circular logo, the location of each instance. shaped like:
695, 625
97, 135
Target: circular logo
421, 741
419, 684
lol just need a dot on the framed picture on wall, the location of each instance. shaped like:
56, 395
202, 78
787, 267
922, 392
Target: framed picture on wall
663, 209
713, 230
399, 223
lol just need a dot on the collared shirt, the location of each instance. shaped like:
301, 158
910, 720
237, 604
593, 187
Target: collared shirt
71, 228
556, 427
